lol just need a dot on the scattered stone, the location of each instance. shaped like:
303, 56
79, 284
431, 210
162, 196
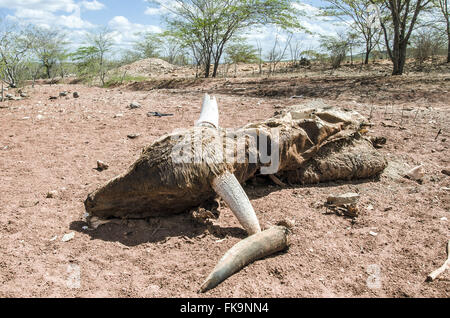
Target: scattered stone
39, 117
446, 171
68, 237
445, 188
52, 194
370, 207
76, 95
85, 227
24, 95
415, 173
443, 218
289, 223
63, 94
347, 198
118, 115
134, 105
158, 114
53, 238
373, 233
53, 97
133, 136
101, 165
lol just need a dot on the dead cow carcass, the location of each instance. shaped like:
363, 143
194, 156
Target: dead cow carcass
180, 171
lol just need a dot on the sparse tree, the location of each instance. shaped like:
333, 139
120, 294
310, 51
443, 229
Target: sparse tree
86, 59
241, 52
426, 43
444, 8
149, 45
278, 52
364, 19
398, 19
49, 48
295, 49
210, 24
100, 43
15, 48
337, 48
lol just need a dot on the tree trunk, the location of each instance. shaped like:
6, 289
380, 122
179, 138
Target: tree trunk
448, 50
366, 58
207, 68
399, 58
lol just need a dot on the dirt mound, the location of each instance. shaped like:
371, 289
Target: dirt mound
148, 67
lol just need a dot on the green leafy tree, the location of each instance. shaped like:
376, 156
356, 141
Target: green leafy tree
86, 60
149, 45
207, 26
398, 19
241, 52
100, 43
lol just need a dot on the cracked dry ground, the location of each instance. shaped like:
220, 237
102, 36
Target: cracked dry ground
330, 255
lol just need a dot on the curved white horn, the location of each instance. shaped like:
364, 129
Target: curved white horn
209, 115
230, 190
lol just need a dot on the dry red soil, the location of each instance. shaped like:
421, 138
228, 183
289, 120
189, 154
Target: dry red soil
48, 145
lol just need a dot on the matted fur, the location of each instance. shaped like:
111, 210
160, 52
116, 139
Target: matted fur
316, 143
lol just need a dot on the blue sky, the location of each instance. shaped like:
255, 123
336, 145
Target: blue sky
127, 17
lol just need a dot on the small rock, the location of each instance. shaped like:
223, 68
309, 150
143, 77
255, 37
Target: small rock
134, 105
39, 117
347, 198
443, 218
415, 173
53, 238
373, 233
75, 95
289, 223
85, 227
445, 188
118, 115
133, 136
52, 194
370, 207
68, 237
63, 94
24, 95
101, 165
446, 171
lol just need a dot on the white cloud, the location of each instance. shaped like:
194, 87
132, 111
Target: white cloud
92, 5
57, 13
125, 33
44, 5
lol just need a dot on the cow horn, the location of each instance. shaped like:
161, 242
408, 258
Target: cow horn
226, 185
